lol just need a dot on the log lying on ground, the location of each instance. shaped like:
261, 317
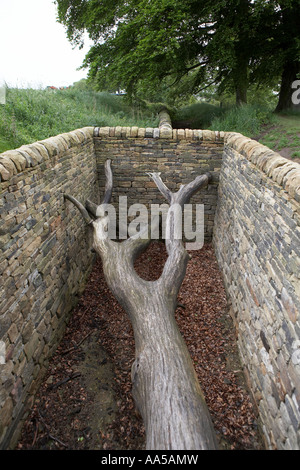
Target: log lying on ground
165, 386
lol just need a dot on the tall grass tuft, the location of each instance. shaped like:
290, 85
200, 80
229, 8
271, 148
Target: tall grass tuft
247, 120
196, 115
30, 115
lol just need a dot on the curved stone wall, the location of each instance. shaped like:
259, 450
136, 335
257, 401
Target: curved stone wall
44, 260
257, 244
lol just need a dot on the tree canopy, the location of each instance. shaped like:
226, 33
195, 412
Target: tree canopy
142, 44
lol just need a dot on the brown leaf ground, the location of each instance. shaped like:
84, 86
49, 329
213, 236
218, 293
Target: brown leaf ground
85, 400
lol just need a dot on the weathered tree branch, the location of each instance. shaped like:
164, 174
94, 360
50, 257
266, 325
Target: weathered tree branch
109, 183
161, 186
165, 386
81, 208
91, 207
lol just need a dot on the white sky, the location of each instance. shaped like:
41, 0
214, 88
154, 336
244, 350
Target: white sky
34, 49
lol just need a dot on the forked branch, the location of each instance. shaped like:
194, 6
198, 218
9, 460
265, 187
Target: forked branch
165, 386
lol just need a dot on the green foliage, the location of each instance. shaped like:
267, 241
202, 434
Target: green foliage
141, 41
197, 115
175, 47
4, 145
247, 119
84, 85
261, 95
31, 115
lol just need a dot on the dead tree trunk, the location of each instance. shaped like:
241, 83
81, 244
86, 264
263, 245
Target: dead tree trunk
165, 386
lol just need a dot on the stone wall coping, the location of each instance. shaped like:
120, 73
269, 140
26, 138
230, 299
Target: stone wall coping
162, 132
15, 161
281, 170
284, 172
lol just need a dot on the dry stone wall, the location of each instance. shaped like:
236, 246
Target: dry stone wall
251, 211
257, 243
45, 257
45, 246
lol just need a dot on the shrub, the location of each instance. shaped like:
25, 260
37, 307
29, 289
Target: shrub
247, 119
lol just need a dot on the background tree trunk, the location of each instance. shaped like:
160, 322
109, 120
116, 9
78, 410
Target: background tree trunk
165, 386
240, 76
289, 75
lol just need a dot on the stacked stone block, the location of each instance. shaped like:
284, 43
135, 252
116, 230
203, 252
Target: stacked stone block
44, 261
257, 243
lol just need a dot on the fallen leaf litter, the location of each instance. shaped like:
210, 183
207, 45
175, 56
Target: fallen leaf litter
85, 399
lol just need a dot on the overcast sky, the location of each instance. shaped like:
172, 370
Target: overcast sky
34, 49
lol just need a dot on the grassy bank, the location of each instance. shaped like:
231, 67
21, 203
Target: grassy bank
196, 116
30, 115
247, 119
283, 136
279, 132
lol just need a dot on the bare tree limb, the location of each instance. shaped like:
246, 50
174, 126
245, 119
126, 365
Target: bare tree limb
165, 386
109, 183
81, 209
185, 192
161, 186
91, 207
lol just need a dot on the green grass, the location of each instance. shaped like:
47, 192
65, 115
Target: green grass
4, 145
279, 132
284, 134
30, 115
196, 115
247, 120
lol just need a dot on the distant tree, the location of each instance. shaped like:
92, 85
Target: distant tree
83, 85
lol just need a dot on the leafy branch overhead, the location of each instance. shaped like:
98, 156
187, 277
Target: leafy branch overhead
229, 44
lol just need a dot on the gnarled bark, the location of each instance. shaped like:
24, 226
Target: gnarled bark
165, 386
